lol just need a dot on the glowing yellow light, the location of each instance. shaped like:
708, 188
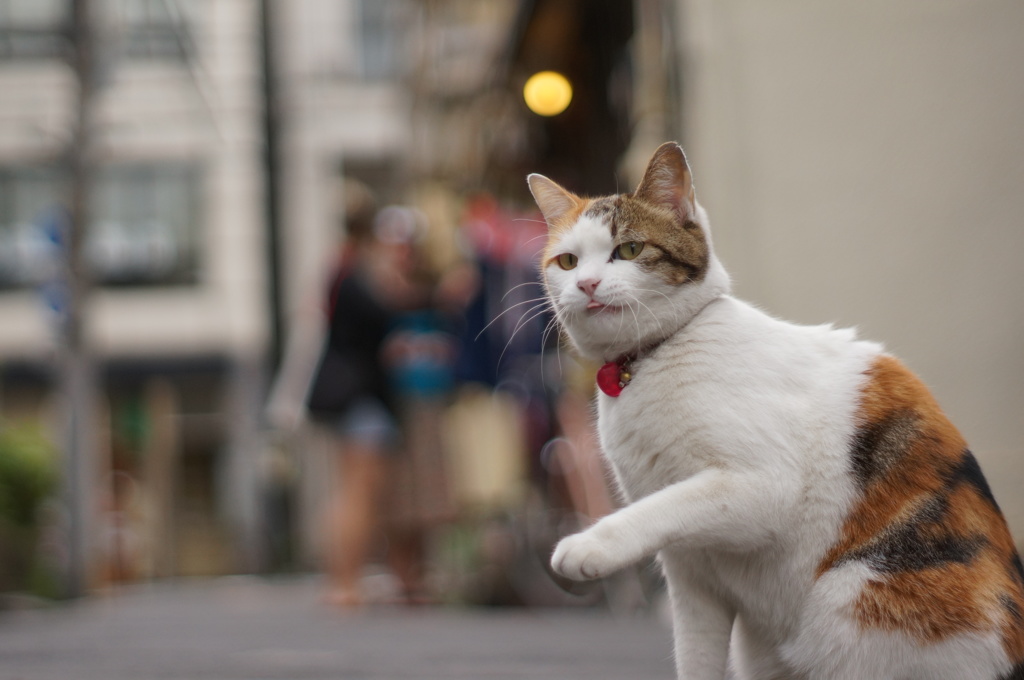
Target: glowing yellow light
547, 93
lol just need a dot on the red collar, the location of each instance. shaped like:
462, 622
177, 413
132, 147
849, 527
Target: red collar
614, 376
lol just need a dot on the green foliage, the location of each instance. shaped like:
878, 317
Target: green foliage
28, 472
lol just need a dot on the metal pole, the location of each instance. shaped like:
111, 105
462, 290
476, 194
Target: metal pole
272, 153
77, 382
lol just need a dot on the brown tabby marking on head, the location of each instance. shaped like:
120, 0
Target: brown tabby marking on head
927, 523
603, 207
675, 250
659, 213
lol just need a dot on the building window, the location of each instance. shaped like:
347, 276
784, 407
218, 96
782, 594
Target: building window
382, 26
152, 29
145, 229
135, 29
32, 29
144, 232
28, 215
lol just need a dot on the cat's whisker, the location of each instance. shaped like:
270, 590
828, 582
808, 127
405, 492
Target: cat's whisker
558, 347
551, 325
522, 323
547, 333
535, 238
527, 219
537, 252
516, 287
651, 312
636, 317
527, 316
618, 331
506, 311
656, 292
632, 311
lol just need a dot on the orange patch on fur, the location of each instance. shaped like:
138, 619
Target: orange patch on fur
928, 605
926, 523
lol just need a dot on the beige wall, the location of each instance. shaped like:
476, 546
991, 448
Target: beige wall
863, 163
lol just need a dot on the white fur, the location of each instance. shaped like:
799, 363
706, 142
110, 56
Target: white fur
730, 446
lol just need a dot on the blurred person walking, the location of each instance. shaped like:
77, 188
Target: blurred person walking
382, 385
352, 392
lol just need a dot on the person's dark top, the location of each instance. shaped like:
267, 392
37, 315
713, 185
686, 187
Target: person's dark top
352, 367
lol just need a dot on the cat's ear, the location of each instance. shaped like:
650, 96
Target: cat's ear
554, 201
667, 181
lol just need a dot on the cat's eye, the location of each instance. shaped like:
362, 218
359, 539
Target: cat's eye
628, 250
567, 261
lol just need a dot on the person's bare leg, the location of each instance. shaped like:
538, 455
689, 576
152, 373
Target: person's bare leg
354, 520
407, 554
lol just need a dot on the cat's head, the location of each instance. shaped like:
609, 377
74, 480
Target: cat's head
625, 272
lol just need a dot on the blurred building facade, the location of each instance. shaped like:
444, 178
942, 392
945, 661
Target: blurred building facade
177, 317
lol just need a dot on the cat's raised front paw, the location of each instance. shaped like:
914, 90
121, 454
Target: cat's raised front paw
582, 557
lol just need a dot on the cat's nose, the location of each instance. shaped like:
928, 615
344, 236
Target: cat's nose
588, 286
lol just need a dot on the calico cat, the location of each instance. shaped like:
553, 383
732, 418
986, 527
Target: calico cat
816, 515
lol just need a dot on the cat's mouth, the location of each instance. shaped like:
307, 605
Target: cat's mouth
595, 307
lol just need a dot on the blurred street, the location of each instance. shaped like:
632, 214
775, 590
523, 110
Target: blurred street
247, 627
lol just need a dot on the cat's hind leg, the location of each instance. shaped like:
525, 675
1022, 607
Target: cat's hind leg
836, 643
753, 657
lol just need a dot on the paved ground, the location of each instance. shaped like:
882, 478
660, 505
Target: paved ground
248, 628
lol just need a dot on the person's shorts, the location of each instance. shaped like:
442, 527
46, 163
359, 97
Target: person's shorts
368, 422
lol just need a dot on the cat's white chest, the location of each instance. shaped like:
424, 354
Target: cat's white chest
657, 431
734, 390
